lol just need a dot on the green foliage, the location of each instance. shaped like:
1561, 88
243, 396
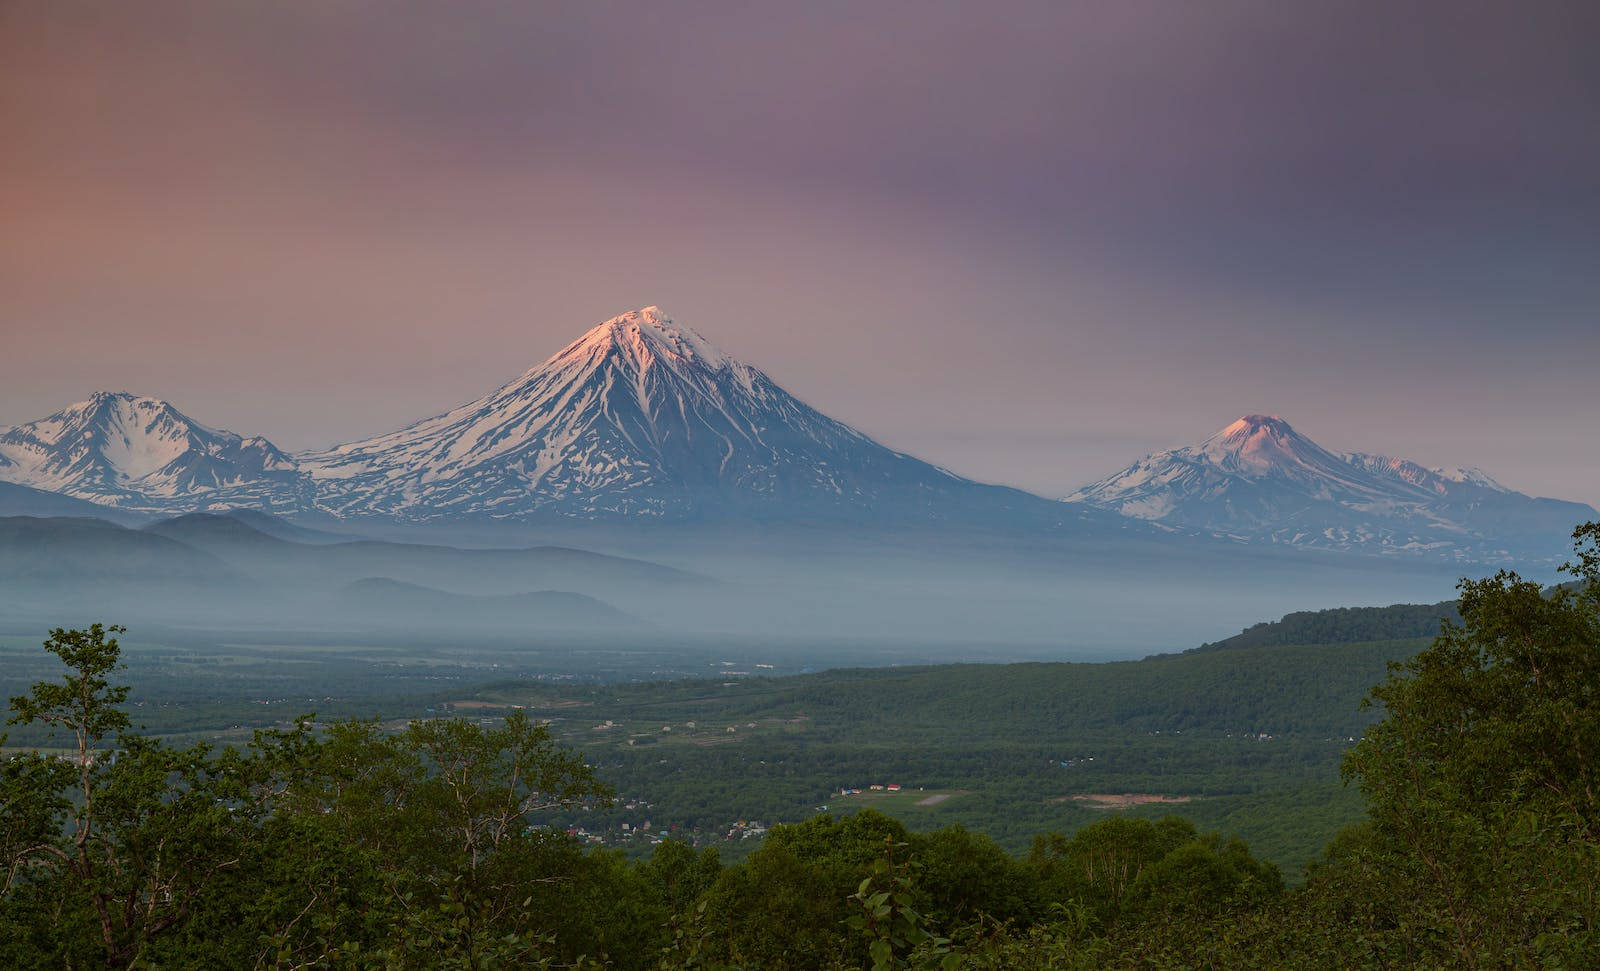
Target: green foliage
32, 801
1343, 625
1482, 780
680, 874
437, 843
780, 910
148, 827
887, 918
1096, 868
1202, 878
355, 846
85, 702
966, 874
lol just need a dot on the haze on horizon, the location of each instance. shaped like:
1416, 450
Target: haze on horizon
1028, 243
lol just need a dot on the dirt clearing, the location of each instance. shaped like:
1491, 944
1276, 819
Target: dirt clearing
1119, 800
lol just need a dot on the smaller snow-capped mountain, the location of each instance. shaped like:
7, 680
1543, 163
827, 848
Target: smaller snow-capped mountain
132, 452
1260, 480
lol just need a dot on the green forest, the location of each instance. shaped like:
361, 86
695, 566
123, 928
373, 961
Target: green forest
1342, 624
460, 839
1249, 741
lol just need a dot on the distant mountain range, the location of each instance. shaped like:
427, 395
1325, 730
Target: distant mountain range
248, 570
638, 418
125, 451
1261, 481
641, 419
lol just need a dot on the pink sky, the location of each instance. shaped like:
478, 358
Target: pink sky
1028, 243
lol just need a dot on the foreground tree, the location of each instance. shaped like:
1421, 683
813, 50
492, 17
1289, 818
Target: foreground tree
1482, 847
132, 834
1483, 782
423, 848
429, 845
451, 813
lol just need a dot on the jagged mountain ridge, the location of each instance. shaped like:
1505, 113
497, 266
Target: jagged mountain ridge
640, 417
1260, 480
132, 452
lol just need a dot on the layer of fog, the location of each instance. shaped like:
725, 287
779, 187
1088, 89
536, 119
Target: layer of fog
856, 597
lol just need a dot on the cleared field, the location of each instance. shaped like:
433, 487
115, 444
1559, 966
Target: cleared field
904, 801
1120, 800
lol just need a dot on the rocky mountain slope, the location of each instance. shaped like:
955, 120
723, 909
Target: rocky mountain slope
137, 453
643, 418
1260, 480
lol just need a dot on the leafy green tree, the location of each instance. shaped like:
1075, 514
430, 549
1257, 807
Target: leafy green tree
85, 704
778, 910
678, 874
452, 816
1483, 778
1502, 710
964, 874
887, 917
1206, 877
422, 848
32, 803
148, 829
1098, 866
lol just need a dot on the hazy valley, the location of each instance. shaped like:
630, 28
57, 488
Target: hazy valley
684, 493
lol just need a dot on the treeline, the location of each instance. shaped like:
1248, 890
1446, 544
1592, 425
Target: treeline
1009, 792
433, 846
1178, 725
1306, 688
1343, 625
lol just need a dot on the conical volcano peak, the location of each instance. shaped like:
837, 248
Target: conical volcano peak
1265, 444
650, 318
1260, 480
643, 417
1255, 424
644, 336
1257, 433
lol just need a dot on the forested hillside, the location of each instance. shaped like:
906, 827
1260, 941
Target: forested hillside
453, 841
1247, 740
1342, 625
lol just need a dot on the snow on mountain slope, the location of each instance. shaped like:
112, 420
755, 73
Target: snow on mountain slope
122, 450
642, 417
1260, 480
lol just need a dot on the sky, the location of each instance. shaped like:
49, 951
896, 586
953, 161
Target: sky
1027, 241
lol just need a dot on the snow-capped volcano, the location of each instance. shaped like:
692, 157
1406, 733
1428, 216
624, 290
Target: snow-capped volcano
132, 452
639, 417
643, 418
1258, 479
